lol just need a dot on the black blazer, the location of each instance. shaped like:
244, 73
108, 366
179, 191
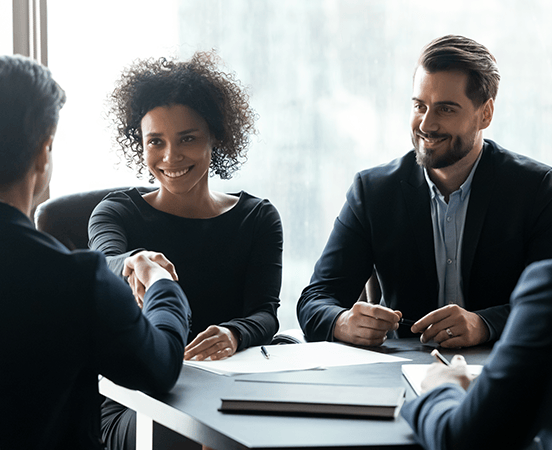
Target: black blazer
65, 318
386, 224
511, 401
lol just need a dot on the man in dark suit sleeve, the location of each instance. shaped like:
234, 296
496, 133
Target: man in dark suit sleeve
65, 317
447, 229
510, 403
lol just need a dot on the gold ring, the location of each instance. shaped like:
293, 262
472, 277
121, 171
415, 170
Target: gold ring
449, 332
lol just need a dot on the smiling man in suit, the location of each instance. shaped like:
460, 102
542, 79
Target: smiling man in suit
447, 229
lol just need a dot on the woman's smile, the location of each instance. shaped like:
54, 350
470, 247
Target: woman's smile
176, 173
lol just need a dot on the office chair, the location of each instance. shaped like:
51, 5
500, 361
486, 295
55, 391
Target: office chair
66, 217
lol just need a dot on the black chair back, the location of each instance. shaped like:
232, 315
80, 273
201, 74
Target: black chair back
66, 218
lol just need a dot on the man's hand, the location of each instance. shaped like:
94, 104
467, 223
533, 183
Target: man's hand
366, 324
145, 268
452, 327
438, 374
213, 343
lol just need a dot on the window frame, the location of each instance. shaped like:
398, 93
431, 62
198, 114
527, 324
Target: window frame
30, 29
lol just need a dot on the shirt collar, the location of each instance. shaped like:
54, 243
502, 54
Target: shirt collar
464, 188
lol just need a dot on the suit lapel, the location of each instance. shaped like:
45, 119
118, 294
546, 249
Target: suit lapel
416, 196
480, 197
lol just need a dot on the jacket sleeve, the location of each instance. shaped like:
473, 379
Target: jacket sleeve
537, 245
341, 272
510, 401
540, 235
140, 349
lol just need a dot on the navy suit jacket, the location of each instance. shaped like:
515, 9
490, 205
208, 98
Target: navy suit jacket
65, 318
510, 403
386, 224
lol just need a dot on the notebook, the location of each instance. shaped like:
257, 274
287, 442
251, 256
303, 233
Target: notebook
415, 373
313, 399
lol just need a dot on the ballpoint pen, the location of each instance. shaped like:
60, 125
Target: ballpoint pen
440, 357
265, 352
408, 322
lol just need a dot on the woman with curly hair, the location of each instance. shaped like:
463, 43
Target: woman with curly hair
181, 122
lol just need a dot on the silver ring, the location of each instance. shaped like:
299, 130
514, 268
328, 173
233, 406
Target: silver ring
449, 332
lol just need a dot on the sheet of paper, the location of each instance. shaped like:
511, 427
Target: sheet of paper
415, 373
312, 355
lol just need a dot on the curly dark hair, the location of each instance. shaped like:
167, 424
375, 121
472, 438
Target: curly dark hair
218, 97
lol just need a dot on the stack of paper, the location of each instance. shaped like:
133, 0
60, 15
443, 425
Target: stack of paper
313, 355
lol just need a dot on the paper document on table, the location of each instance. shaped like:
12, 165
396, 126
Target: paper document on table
415, 373
282, 358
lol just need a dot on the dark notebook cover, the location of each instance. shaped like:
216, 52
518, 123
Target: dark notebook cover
313, 399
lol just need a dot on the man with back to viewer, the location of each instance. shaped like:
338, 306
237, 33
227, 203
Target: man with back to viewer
447, 229
65, 317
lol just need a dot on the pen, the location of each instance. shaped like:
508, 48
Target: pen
408, 322
265, 352
440, 357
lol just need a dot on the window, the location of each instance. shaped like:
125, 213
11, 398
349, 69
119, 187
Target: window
6, 28
331, 81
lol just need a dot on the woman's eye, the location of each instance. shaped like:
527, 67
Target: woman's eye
188, 138
154, 141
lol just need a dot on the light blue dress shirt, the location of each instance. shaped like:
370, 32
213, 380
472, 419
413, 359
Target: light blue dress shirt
449, 220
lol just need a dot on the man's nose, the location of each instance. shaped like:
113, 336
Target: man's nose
429, 123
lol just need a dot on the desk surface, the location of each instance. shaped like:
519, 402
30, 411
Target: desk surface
191, 408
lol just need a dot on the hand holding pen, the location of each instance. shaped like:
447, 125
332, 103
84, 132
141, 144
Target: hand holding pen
444, 371
366, 324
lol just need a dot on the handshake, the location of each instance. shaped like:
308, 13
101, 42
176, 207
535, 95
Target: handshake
145, 268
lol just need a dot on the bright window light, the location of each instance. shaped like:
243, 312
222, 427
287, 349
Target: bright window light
331, 82
6, 28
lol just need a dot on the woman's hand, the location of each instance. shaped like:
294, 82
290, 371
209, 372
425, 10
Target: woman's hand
213, 343
135, 262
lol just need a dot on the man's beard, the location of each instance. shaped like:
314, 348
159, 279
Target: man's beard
460, 148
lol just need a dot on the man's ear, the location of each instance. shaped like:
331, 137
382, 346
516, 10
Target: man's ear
42, 171
487, 111
44, 156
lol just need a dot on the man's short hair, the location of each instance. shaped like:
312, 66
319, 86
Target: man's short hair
30, 101
458, 53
